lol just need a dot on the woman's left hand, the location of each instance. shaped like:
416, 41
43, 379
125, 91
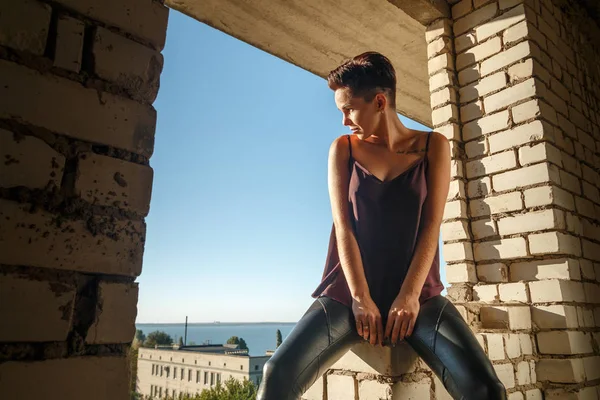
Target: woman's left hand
401, 318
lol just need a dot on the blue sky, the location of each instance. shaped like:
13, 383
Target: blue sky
240, 216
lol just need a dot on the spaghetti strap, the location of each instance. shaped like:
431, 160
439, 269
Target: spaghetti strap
427, 143
349, 146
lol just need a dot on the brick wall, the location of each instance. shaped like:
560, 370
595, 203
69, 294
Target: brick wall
77, 82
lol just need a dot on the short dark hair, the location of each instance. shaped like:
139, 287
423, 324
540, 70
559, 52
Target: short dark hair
366, 75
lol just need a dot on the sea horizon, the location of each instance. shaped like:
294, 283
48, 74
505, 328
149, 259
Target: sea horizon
219, 323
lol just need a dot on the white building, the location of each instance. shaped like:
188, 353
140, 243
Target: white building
171, 371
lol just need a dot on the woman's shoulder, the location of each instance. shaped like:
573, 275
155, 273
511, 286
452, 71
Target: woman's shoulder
340, 145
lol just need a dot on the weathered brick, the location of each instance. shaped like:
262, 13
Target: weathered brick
560, 370
488, 124
538, 173
109, 181
101, 118
564, 342
479, 187
69, 43
443, 96
561, 268
585, 317
510, 56
522, 134
554, 316
554, 243
455, 209
439, 28
556, 290
549, 195
496, 204
405, 390
590, 230
478, 53
127, 63
527, 69
513, 292
464, 42
492, 272
24, 25
532, 109
512, 344
456, 190
585, 207
523, 375
484, 86
35, 310
455, 230
500, 249
485, 293
539, 152
533, 394
458, 251
448, 113
591, 250
67, 378
440, 45
29, 162
340, 387
115, 314
491, 164
476, 148
450, 131
41, 239
441, 79
441, 62
475, 18
458, 273
495, 343
468, 75
483, 228
462, 8
500, 23
506, 374
510, 95
592, 292
505, 317
591, 366
374, 390
587, 269
471, 111
571, 183
532, 221
142, 18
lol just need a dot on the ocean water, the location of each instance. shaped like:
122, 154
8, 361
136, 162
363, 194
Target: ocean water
259, 337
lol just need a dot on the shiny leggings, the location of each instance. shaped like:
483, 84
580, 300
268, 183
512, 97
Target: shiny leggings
327, 331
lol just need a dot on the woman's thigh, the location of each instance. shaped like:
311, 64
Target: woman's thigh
323, 335
446, 343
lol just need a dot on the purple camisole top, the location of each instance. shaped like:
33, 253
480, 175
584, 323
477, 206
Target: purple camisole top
386, 217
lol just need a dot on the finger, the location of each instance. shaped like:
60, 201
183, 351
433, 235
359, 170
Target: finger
359, 327
373, 330
379, 330
396, 330
411, 326
388, 326
403, 328
366, 330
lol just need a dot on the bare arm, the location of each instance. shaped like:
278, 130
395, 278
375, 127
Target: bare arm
438, 182
349, 252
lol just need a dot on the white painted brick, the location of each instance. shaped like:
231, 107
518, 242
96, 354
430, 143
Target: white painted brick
483, 228
438, 46
444, 114
556, 290
475, 18
439, 80
464, 42
478, 53
532, 109
512, 344
515, 396
439, 28
451, 131
571, 183
500, 249
458, 251
479, 187
500, 23
511, 317
564, 342
468, 75
522, 134
69, 43
548, 195
455, 230
411, 391
560, 370
491, 164
486, 293
506, 374
485, 86
29, 162
488, 124
496, 204
459, 273
587, 269
585, 317
532, 221
476, 148
592, 292
533, 394
516, 33
526, 343
443, 96
441, 62
513, 292
456, 190
374, 390
591, 250
539, 152
492, 272
495, 344
35, 310
115, 314
462, 8
24, 25
554, 243
523, 374
340, 387
455, 209
592, 367
585, 207
554, 316
510, 95
574, 225
510, 56
561, 268
471, 111
538, 173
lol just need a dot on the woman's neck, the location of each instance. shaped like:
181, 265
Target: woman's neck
392, 133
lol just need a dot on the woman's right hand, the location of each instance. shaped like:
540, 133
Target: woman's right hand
368, 320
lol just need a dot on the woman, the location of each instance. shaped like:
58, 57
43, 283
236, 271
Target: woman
388, 186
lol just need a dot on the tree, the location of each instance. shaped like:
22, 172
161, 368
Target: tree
180, 343
158, 338
139, 335
243, 344
233, 340
278, 338
231, 389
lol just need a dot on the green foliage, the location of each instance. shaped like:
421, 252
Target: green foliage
279, 339
233, 340
180, 342
158, 338
139, 335
231, 389
132, 358
243, 344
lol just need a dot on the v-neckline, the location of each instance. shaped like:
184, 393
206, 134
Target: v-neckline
369, 173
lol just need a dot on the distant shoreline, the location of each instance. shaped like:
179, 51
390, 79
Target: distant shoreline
216, 323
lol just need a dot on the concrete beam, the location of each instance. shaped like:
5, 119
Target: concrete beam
424, 11
317, 35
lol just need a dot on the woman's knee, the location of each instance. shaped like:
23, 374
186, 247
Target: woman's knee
275, 382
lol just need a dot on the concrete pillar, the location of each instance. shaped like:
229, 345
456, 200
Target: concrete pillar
515, 87
77, 82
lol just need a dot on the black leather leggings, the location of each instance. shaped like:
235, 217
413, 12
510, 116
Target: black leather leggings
327, 331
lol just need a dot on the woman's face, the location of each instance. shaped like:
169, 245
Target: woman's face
360, 116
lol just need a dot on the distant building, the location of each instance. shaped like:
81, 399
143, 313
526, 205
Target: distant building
173, 370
